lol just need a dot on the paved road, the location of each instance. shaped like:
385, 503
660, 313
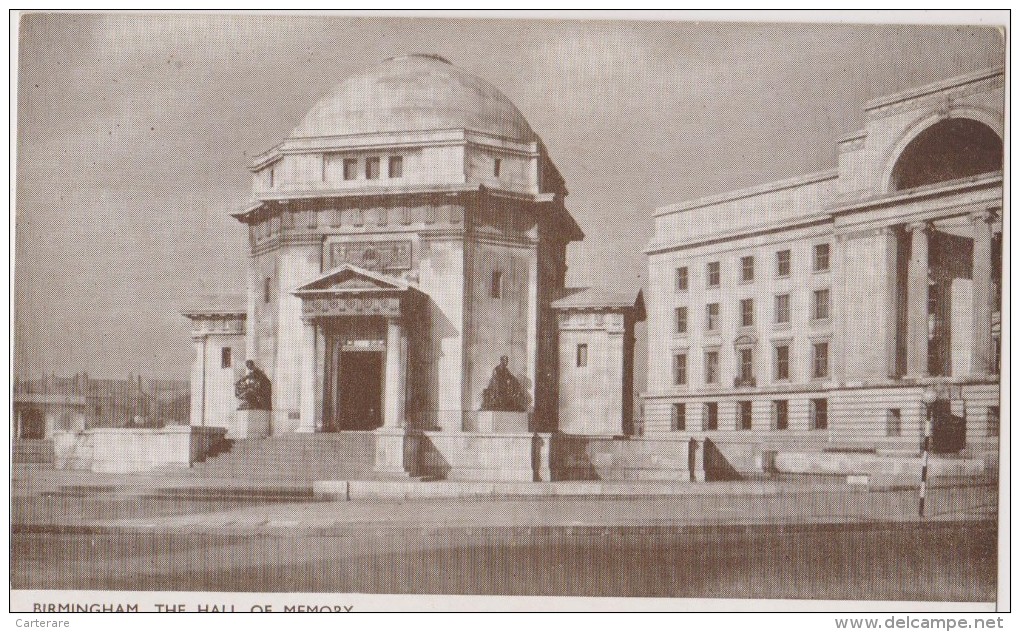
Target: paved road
931, 561
831, 544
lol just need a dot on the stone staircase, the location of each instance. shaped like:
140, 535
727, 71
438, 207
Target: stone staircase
33, 452
299, 458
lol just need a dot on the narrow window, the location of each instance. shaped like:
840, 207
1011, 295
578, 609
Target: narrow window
681, 279
711, 367
747, 269
272, 178
744, 416
747, 312
821, 304
782, 309
372, 168
992, 427
783, 263
681, 320
893, 427
226, 358
496, 287
710, 419
267, 290
819, 414
350, 168
782, 362
323, 168
747, 367
678, 418
714, 273
821, 359
396, 167
582, 355
821, 257
712, 317
680, 369
780, 414
497, 165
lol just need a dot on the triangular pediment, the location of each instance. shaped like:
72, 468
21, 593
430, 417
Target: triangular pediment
350, 279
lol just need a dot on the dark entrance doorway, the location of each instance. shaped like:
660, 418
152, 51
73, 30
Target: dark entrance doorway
360, 385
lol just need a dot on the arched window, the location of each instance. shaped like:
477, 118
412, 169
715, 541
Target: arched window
948, 150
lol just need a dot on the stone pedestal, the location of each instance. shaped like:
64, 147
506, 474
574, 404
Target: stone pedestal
394, 449
696, 460
250, 424
500, 421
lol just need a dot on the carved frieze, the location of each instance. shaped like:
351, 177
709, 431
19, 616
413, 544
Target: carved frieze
372, 255
351, 306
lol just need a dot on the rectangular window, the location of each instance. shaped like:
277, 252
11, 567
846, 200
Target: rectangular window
821, 310
681, 320
747, 312
746, 366
372, 168
678, 419
396, 167
497, 165
496, 287
680, 369
711, 367
782, 362
747, 269
712, 317
819, 414
744, 416
226, 358
272, 178
714, 274
780, 414
582, 355
821, 257
893, 426
783, 263
710, 418
681, 279
820, 359
267, 290
350, 168
782, 309
992, 427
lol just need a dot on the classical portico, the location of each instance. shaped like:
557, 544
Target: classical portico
355, 349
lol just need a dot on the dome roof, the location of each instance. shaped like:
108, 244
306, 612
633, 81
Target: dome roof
414, 93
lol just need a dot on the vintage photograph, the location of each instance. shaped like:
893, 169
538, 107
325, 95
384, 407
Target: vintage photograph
312, 309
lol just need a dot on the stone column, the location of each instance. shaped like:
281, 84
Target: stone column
890, 246
308, 362
393, 407
981, 274
917, 301
198, 382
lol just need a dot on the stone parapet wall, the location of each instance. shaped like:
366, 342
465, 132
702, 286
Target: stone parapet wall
135, 450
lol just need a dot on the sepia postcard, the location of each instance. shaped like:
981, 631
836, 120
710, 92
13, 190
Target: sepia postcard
494, 311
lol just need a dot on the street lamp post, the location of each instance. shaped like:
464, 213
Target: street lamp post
928, 397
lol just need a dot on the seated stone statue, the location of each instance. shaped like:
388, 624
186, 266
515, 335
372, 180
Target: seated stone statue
254, 389
504, 391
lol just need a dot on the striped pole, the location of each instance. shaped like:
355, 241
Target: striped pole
924, 461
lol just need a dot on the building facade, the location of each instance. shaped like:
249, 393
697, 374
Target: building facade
817, 310
408, 238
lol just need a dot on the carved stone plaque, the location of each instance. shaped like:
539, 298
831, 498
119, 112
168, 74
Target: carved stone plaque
372, 255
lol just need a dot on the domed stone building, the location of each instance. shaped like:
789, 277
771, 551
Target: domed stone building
407, 236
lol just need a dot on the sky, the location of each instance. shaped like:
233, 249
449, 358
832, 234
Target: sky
134, 134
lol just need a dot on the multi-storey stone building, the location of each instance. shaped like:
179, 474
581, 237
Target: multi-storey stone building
818, 309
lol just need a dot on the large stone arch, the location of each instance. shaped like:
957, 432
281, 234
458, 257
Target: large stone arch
945, 146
